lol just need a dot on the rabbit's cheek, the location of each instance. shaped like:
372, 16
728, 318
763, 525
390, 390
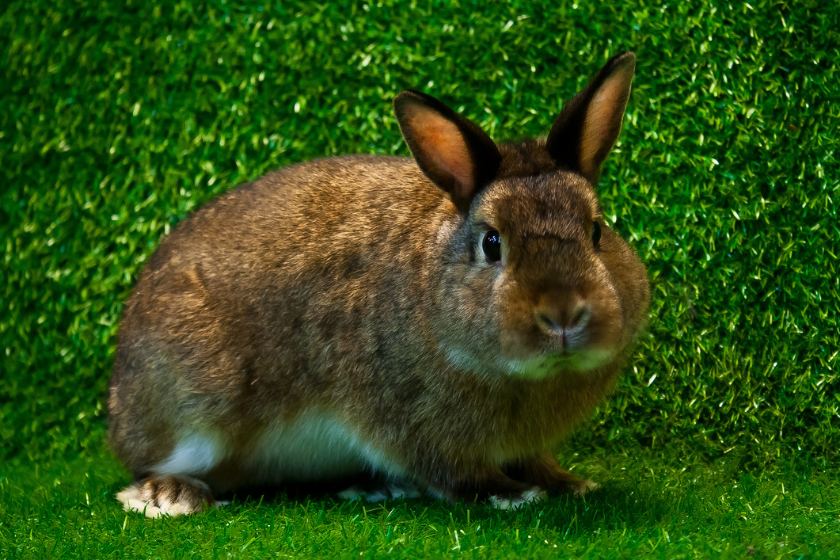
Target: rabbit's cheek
519, 335
604, 331
520, 340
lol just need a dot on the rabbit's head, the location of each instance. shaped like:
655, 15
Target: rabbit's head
528, 278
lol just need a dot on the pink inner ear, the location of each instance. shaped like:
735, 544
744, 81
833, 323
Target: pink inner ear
442, 143
603, 120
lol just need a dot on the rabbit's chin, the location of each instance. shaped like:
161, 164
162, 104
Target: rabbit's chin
539, 366
546, 365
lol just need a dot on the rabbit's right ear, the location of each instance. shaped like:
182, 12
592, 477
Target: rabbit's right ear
450, 150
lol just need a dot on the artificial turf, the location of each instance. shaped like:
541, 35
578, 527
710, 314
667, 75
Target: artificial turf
649, 507
118, 119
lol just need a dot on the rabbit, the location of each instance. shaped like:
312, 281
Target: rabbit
435, 325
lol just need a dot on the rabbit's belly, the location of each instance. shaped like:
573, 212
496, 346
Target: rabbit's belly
316, 446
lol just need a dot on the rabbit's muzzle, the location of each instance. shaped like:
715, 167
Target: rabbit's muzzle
566, 328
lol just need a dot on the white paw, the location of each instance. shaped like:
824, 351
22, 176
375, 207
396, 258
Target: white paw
391, 489
166, 495
356, 492
403, 489
131, 502
584, 487
527, 497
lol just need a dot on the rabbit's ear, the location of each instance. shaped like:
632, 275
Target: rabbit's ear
584, 133
452, 151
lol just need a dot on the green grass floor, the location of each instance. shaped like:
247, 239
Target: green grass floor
648, 505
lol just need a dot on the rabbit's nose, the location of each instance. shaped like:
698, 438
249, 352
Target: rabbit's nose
567, 322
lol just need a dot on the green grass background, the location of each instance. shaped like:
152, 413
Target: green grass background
118, 119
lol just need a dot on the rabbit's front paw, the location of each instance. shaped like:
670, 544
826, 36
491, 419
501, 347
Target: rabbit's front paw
167, 495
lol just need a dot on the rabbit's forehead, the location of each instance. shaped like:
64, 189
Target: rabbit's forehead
546, 204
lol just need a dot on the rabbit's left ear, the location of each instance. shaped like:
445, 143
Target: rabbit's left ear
588, 126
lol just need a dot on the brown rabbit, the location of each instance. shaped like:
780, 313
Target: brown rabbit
439, 322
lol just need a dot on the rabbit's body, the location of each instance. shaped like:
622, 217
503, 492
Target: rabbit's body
340, 317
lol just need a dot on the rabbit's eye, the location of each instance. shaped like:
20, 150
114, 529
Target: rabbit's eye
596, 233
492, 245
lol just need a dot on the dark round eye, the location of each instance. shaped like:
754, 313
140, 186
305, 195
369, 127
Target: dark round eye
596, 233
492, 245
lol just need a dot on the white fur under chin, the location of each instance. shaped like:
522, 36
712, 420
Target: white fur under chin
541, 367
538, 367
527, 497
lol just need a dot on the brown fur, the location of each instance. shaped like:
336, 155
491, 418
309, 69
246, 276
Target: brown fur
340, 284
